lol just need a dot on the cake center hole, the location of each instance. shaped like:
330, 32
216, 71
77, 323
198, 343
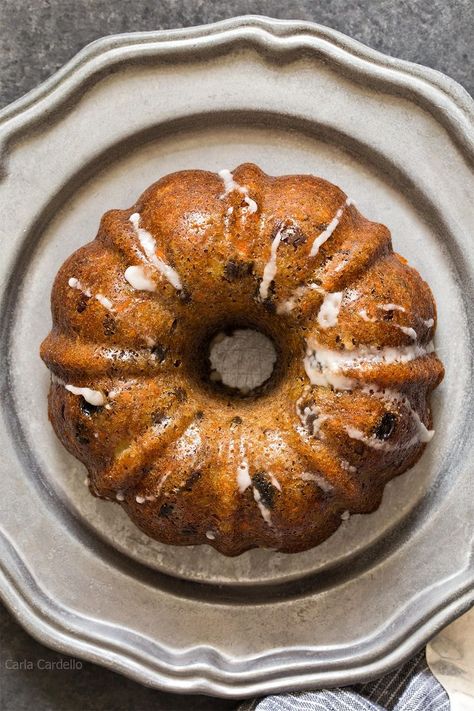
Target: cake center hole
243, 360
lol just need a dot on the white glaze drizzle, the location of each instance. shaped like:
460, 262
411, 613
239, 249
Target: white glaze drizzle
244, 481
347, 467
138, 279
76, 284
120, 494
310, 413
270, 269
210, 535
329, 310
323, 366
227, 219
364, 315
373, 442
106, 303
148, 245
326, 234
264, 510
243, 476
274, 481
161, 484
321, 482
285, 307
322, 372
230, 185
112, 394
424, 434
429, 323
392, 307
252, 205
346, 515
331, 299
408, 331
93, 397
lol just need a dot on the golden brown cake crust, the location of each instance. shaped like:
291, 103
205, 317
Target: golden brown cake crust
346, 410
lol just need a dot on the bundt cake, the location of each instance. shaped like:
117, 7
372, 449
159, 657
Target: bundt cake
143, 390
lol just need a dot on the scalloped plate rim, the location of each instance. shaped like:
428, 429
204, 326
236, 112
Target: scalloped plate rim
41, 621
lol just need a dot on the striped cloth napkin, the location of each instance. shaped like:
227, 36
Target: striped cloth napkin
412, 687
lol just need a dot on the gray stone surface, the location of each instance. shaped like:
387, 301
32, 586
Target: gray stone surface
36, 38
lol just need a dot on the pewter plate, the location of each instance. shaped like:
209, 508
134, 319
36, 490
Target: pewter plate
292, 97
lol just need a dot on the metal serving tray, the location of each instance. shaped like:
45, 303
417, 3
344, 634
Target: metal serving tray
292, 97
